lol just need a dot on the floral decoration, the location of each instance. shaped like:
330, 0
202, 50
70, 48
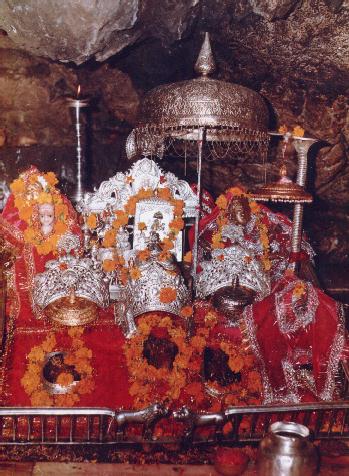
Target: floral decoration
78, 356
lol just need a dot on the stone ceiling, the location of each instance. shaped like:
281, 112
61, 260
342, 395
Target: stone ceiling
294, 52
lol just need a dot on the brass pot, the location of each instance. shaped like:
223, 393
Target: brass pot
286, 451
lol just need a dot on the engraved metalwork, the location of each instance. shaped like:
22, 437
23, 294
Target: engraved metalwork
148, 417
235, 118
70, 290
143, 294
144, 173
4, 194
228, 263
197, 420
284, 190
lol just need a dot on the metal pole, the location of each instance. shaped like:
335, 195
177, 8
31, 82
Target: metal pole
301, 146
198, 195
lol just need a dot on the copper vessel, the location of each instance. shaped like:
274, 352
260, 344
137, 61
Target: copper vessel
230, 300
286, 451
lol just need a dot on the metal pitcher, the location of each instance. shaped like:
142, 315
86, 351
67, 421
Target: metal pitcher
287, 451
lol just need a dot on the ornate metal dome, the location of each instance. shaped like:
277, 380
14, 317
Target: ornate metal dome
230, 113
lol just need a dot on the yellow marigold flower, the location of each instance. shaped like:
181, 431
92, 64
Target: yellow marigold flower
164, 193
177, 224
222, 202
298, 131
83, 353
167, 244
254, 207
143, 255
75, 332
282, 129
51, 178
36, 354
61, 211
109, 238
91, 221
49, 344
25, 213
60, 227
122, 217
236, 363
44, 248
178, 206
109, 265
29, 235
86, 385
299, 289
186, 311
237, 191
131, 206
20, 203
188, 257
142, 226
135, 273
45, 197
167, 295
41, 399
65, 379
17, 186
144, 193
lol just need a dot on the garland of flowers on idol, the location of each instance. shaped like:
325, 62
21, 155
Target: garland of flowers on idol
78, 356
222, 220
185, 374
118, 263
27, 204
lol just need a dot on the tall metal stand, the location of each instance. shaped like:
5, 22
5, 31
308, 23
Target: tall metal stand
78, 104
301, 146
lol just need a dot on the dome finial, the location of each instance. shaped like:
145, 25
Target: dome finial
205, 64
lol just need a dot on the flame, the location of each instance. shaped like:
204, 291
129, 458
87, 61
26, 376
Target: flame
79, 89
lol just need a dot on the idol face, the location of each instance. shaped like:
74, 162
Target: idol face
46, 217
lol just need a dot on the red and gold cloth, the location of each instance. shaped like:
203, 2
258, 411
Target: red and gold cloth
297, 334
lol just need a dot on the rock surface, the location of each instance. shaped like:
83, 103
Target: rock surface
79, 30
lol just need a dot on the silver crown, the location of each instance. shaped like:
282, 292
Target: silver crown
67, 274
143, 294
225, 265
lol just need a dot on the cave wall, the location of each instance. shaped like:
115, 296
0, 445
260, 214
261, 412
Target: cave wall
295, 53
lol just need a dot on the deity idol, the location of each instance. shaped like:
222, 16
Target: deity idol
36, 215
261, 233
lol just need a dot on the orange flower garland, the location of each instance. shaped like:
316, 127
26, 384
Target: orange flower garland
27, 197
78, 356
145, 378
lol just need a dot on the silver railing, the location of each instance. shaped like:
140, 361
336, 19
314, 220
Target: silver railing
98, 426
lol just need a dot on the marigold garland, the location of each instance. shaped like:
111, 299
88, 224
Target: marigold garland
79, 356
27, 198
121, 219
145, 378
